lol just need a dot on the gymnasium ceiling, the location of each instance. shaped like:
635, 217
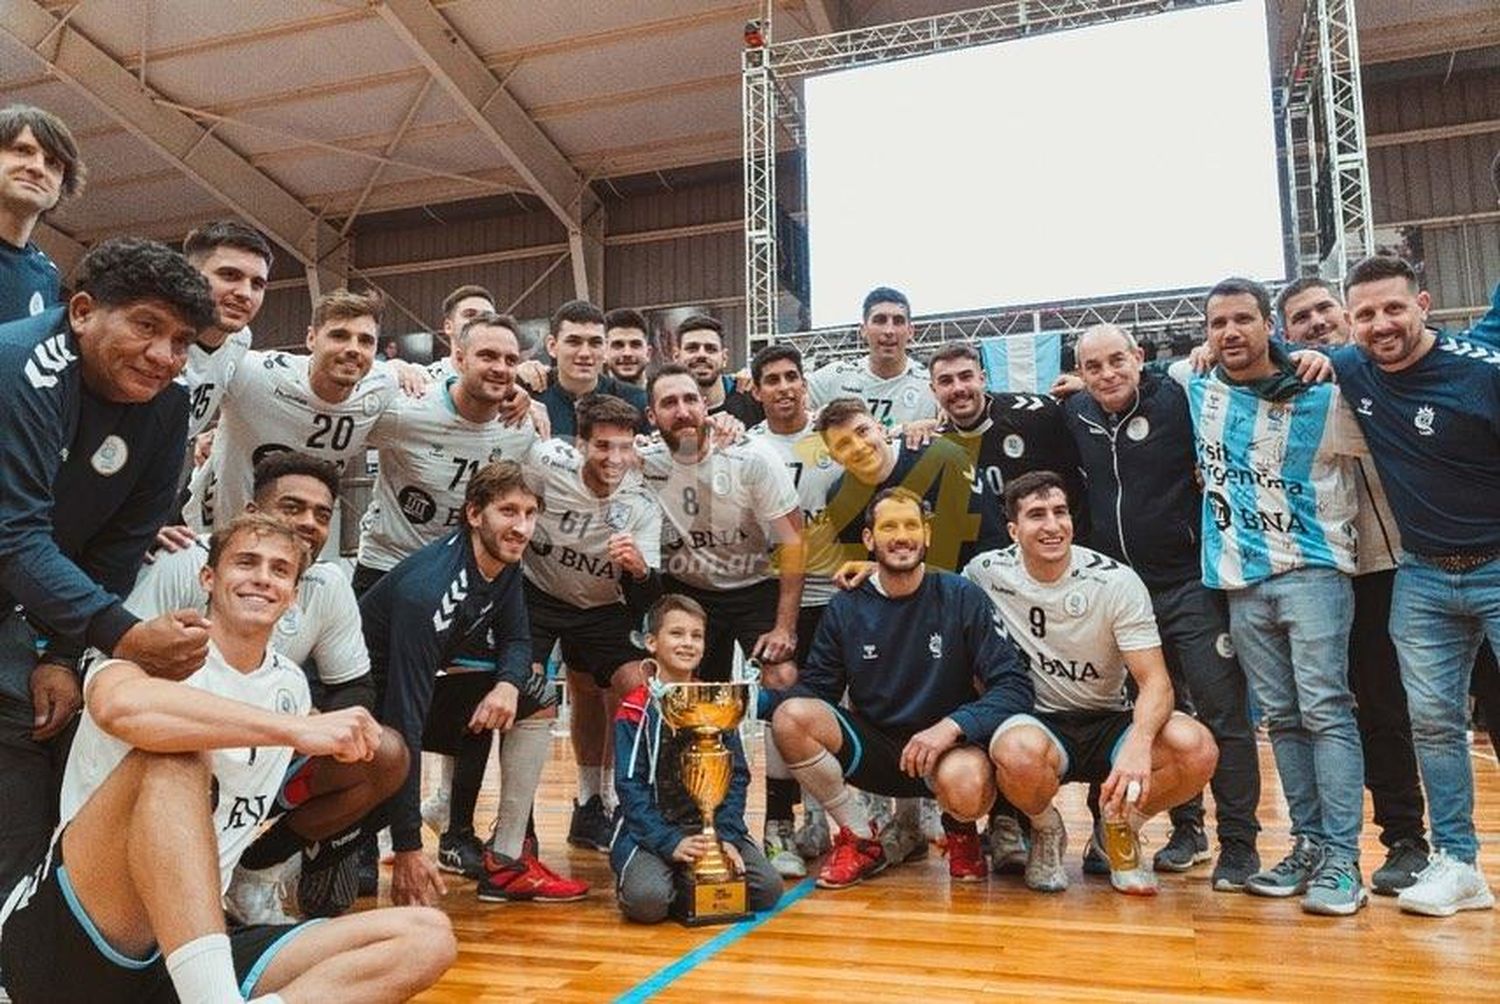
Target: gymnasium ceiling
349, 108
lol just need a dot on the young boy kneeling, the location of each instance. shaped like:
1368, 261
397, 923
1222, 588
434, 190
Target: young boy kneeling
660, 827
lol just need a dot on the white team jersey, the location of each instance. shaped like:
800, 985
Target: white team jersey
813, 471
321, 627
441, 370
718, 511
270, 408
248, 778
1072, 632
568, 557
895, 400
206, 376
428, 452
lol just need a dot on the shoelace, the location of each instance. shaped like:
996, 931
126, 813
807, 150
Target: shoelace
1437, 865
1332, 876
1300, 859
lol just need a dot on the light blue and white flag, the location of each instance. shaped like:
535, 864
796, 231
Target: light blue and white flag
1022, 364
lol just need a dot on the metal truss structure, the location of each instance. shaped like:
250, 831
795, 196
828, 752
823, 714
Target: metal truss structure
1318, 102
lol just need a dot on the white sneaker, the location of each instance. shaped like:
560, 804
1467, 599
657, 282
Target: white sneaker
259, 896
1044, 861
781, 851
1446, 886
1008, 846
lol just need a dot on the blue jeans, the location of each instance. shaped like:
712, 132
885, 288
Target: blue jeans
1291, 633
1438, 620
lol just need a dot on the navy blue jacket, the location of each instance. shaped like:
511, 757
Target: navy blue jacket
1140, 471
911, 661
1434, 434
562, 406
656, 811
84, 486
432, 611
28, 281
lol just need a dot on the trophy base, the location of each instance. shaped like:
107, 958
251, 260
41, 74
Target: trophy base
699, 904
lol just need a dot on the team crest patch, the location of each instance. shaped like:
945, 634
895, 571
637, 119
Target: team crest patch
909, 397
1013, 445
935, 645
110, 456
286, 704
291, 621
1075, 604
1138, 428
370, 406
824, 460
1224, 646
37, 304
617, 516
1423, 420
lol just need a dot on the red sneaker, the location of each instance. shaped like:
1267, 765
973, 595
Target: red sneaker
965, 857
525, 879
853, 859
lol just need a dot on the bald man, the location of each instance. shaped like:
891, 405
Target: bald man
1135, 441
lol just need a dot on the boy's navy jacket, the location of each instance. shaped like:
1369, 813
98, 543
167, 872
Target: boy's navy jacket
655, 809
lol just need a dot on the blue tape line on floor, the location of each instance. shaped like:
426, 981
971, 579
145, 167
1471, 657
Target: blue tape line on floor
664, 977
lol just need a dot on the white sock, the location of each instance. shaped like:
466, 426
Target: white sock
607, 788
1048, 819
523, 753
775, 764
202, 971
822, 777
590, 782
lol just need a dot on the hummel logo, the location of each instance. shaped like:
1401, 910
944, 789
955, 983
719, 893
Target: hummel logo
49, 358
1027, 402
442, 618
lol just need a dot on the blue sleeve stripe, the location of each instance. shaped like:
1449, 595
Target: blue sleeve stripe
1310, 421
1213, 541
1240, 428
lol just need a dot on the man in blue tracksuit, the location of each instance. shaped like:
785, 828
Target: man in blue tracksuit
1135, 441
450, 650
907, 645
94, 435
1429, 406
39, 167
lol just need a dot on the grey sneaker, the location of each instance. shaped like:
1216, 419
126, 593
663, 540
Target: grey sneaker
781, 850
1007, 846
1288, 877
1044, 862
1335, 889
902, 839
1402, 863
1237, 862
1186, 847
813, 839
1094, 861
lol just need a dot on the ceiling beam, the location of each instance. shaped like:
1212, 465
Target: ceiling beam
504, 123
826, 16
190, 147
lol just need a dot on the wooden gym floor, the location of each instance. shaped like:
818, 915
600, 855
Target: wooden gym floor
911, 935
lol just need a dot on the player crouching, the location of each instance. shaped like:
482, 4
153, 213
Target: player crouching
660, 825
1083, 621
166, 785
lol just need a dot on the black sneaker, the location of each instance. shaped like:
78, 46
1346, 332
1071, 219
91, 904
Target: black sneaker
1237, 862
461, 854
590, 827
1186, 847
1402, 863
330, 891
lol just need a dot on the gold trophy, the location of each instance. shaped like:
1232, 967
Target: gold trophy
708, 891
